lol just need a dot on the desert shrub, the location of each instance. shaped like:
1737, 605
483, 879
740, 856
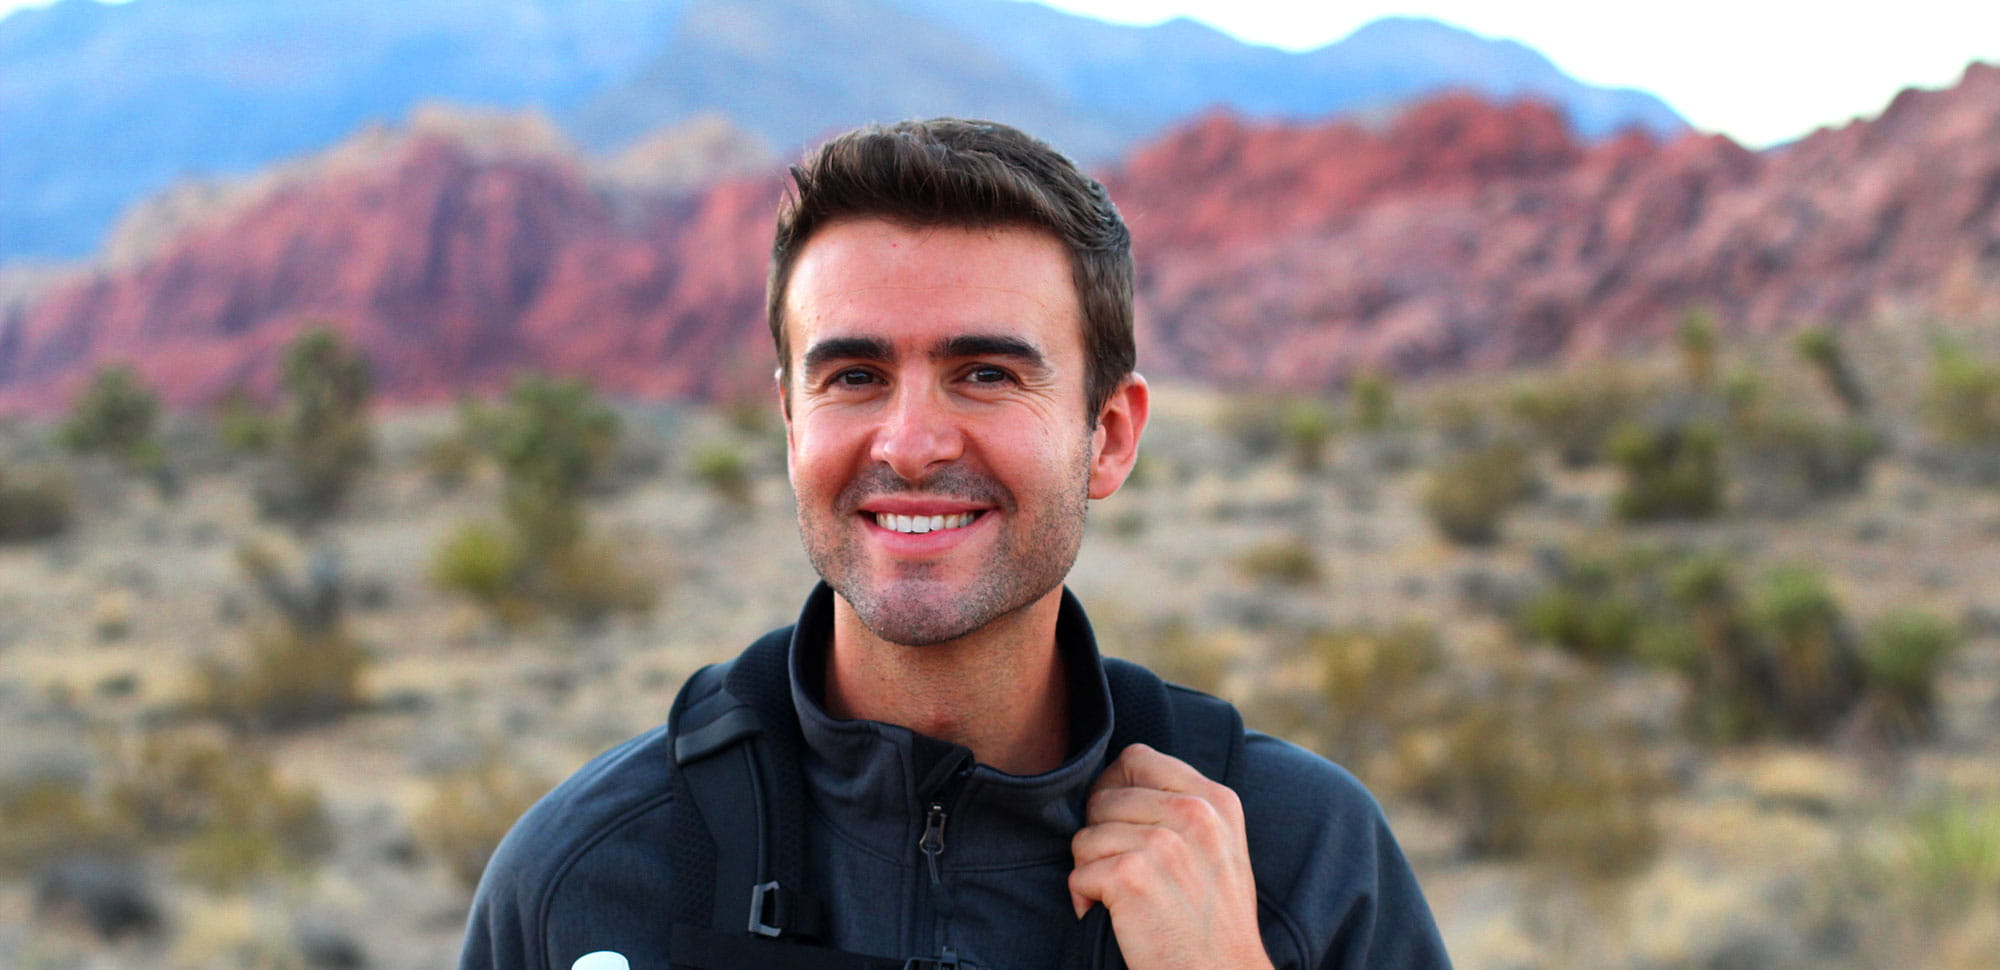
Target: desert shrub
1949, 854
1254, 422
244, 424
1468, 494
1307, 426
1184, 655
1787, 460
589, 581
291, 678
117, 415
722, 468
470, 810
1669, 472
1531, 767
1810, 649
449, 460
552, 441
1708, 635
1820, 347
224, 806
1371, 680
1575, 415
1371, 397
1900, 656
1587, 612
1961, 402
482, 563
324, 438
46, 814
34, 506
1697, 341
1286, 562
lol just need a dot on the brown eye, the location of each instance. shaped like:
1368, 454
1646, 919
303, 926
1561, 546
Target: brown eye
988, 375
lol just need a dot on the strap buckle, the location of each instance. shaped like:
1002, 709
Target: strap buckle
759, 895
946, 961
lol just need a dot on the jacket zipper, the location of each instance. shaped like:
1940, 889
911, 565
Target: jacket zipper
932, 843
937, 815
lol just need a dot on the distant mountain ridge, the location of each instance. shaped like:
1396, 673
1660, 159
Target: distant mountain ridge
102, 105
1457, 235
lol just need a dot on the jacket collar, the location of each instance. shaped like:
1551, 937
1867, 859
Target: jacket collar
873, 781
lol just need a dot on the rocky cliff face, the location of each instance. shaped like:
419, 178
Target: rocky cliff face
1460, 235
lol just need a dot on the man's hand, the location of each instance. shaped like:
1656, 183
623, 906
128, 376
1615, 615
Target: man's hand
1163, 848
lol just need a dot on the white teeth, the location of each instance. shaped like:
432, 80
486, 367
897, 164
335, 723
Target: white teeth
919, 524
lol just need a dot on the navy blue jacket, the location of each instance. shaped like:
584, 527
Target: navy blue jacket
585, 870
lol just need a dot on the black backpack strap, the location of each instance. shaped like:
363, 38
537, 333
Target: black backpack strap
1204, 731
737, 774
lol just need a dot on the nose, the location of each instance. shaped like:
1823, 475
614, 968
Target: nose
918, 433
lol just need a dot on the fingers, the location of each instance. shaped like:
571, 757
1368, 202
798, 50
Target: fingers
1142, 767
1132, 787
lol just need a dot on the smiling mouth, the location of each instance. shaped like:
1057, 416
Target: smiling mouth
918, 524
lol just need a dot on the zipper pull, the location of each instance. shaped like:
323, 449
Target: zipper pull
933, 841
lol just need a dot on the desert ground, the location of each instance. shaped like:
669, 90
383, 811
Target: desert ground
1564, 806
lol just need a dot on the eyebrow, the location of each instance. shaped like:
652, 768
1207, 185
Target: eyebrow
846, 348
877, 350
990, 345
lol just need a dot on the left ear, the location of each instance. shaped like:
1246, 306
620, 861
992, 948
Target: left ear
1115, 442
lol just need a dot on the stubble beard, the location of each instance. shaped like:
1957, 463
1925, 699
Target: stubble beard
915, 605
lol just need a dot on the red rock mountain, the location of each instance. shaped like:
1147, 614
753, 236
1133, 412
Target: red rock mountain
1460, 235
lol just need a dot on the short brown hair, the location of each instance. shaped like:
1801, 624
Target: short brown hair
955, 172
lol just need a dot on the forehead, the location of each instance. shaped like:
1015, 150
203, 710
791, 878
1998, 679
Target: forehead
882, 279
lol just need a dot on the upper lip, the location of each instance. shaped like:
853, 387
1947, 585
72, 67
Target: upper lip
907, 505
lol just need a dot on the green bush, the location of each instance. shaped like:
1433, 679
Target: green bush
1950, 854
324, 439
1672, 472
1371, 681
589, 581
1307, 427
34, 507
1532, 768
1961, 403
1821, 348
483, 564
1810, 649
1468, 494
244, 424
224, 806
1786, 461
1286, 562
47, 814
468, 812
553, 441
1576, 415
292, 678
1371, 395
1697, 339
117, 416
1900, 656
722, 468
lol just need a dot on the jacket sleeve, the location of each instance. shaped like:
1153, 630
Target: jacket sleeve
1389, 924
502, 932
1337, 891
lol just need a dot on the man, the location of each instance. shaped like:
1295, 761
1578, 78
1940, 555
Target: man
952, 307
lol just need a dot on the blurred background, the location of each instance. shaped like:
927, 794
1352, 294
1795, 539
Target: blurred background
1581, 421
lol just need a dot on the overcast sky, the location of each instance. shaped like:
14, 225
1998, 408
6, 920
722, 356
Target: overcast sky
1761, 72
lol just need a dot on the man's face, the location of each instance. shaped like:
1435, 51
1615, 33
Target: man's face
935, 429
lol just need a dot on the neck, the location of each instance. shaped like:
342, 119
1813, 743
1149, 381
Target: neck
1000, 691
